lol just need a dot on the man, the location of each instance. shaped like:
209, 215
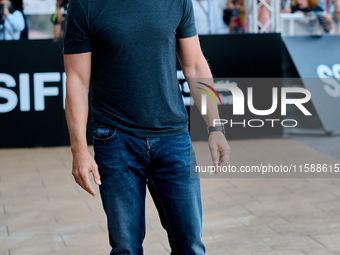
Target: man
128, 48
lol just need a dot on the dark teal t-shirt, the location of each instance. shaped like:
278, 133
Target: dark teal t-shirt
133, 45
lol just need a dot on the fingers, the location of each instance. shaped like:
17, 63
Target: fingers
224, 157
83, 180
220, 151
83, 164
87, 185
214, 157
96, 175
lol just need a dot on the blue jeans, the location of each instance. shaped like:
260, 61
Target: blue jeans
127, 165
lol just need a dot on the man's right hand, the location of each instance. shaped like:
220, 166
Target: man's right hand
83, 164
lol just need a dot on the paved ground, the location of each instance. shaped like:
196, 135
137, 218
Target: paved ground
42, 210
326, 144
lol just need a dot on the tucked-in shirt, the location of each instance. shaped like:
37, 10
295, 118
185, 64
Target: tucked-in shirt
133, 45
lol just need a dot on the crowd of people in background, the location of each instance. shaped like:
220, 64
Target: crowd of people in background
230, 16
211, 16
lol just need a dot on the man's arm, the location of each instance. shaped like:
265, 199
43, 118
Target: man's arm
78, 72
194, 65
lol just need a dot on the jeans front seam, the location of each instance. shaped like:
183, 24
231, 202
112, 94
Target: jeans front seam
144, 219
164, 213
147, 150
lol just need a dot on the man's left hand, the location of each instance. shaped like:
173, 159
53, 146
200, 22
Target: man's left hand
219, 149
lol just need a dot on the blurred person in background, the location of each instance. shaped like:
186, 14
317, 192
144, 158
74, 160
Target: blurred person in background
12, 20
235, 17
209, 16
332, 7
56, 20
305, 6
311, 6
263, 15
285, 6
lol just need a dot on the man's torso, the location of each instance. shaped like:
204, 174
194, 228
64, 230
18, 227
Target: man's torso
134, 81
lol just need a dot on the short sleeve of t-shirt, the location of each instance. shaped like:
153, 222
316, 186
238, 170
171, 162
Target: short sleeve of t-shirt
187, 26
77, 35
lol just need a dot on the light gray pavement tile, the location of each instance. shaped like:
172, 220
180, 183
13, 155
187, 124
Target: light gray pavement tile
322, 185
62, 250
17, 195
307, 193
85, 228
14, 179
308, 215
319, 251
331, 206
218, 252
279, 206
325, 144
241, 232
90, 239
31, 240
211, 185
21, 167
336, 192
307, 226
282, 252
56, 179
255, 207
157, 248
226, 246
69, 192
332, 241
222, 224
25, 212
70, 209
2, 210
267, 218
208, 203
292, 242
227, 200
225, 212
3, 232
41, 223
155, 238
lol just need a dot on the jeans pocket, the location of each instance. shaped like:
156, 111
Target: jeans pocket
103, 132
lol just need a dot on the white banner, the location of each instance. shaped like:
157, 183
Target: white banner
39, 7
